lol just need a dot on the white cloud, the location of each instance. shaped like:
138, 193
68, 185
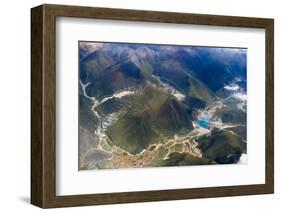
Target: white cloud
232, 87
240, 96
89, 47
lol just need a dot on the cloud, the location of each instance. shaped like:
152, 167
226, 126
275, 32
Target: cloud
232, 87
89, 47
241, 96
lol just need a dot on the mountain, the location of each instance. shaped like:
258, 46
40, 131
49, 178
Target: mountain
137, 102
179, 159
152, 116
109, 75
222, 146
215, 67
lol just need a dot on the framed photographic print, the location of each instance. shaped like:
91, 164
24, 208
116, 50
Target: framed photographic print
136, 106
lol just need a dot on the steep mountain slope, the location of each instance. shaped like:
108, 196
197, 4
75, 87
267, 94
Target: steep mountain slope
215, 67
152, 116
222, 146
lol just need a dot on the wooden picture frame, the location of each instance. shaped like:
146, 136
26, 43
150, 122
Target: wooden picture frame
43, 105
